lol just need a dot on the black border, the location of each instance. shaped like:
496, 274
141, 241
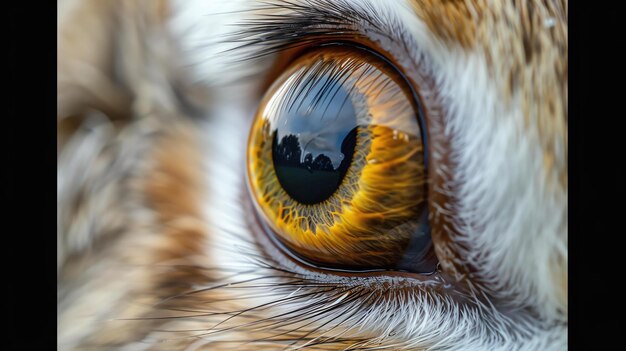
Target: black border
29, 176
597, 182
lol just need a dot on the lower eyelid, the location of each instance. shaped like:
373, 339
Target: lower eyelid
394, 280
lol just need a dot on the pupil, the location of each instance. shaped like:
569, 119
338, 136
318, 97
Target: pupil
314, 138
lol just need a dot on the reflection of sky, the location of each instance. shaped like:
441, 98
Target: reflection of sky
321, 126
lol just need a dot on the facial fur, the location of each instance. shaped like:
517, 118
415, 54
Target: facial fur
156, 246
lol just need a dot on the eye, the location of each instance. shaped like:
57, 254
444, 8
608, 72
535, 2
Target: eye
337, 164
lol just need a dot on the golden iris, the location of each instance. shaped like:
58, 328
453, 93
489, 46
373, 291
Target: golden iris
336, 163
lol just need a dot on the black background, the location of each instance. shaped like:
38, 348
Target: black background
597, 180
28, 181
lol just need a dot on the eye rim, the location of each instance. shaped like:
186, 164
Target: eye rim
420, 116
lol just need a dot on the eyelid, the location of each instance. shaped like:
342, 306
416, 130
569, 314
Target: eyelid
386, 282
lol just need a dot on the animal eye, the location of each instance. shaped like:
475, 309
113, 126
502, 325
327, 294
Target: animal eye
337, 164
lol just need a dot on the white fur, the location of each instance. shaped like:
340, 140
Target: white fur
507, 212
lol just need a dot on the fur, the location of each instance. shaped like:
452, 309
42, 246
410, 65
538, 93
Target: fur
156, 249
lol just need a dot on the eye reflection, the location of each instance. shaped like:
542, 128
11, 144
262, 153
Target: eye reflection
336, 164
313, 147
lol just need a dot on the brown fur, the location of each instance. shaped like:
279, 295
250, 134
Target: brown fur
152, 256
451, 20
145, 242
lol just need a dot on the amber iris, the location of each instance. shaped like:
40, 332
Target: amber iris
336, 164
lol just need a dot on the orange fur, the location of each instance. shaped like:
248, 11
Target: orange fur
451, 20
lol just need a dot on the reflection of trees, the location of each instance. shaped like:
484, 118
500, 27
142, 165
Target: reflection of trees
347, 149
288, 153
308, 162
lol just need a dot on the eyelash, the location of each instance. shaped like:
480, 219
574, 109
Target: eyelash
305, 25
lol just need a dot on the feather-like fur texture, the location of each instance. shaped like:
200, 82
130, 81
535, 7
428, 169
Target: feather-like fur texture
157, 248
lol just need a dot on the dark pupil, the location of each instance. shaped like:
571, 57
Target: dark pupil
314, 139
